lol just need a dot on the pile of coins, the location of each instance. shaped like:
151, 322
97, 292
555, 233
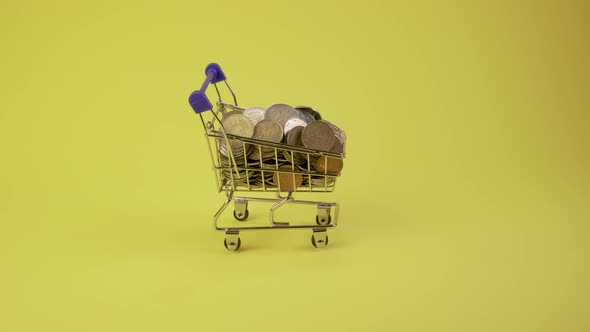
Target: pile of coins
300, 126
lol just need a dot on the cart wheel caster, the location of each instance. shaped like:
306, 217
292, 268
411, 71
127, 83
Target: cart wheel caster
319, 239
241, 216
232, 245
323, 221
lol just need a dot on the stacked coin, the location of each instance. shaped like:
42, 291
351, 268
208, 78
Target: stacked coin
325, 136
268, 176
319, 181
338, 146
227, 171
330, 165
280, 123
294, 138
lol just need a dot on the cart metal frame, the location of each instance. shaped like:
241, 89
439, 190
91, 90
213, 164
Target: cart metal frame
229, 173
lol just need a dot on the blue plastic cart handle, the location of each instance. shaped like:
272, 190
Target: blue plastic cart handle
198, 99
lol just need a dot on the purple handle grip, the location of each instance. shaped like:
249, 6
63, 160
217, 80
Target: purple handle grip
198, 99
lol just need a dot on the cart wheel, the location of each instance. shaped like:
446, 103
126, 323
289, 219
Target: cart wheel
241, 217
232, 246
321, 242
323, 221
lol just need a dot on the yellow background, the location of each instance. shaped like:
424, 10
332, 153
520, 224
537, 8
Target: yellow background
465, 193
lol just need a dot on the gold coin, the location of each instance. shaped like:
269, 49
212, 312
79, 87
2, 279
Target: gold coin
235, 123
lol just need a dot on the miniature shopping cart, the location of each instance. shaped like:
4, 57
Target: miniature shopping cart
233, 172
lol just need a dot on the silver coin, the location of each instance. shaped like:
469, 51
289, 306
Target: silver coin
255, 114
309, 110
236, 148
322, 181
308, 118
280, 113
292, 123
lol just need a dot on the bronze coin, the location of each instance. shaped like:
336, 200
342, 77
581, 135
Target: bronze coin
318, 135
329, 165
337, 147
287, 182
294, 136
